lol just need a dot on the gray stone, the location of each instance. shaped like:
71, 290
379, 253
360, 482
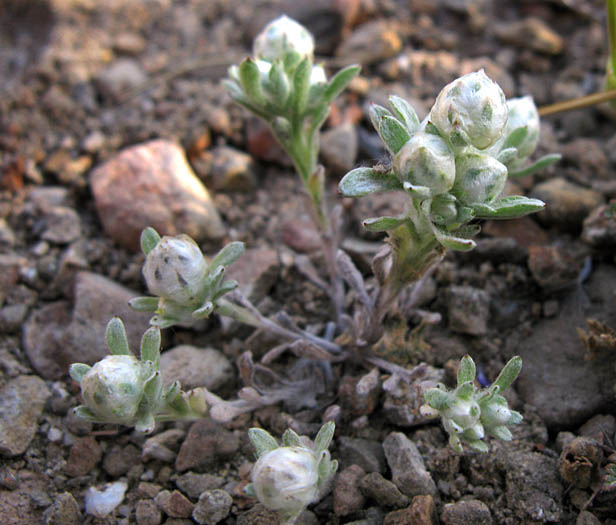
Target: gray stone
147, 513
256, 272
193, 484
169, 197
62, 225
213, 506
468, 310
12, 317
21, 403
174, 504
195, 367
371, 42
232, 170
382, 491
466, 511
163, 446
121, 76
347, 496
365, 453
339, 148
407, 466
206, 443
64, 511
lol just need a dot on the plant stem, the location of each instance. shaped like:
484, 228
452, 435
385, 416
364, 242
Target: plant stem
611, 31
577, 103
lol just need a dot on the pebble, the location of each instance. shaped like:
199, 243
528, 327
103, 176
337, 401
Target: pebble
600, 228
359, 396
262, 144
12, 317
170, 197
524, 231
256, 271
422, 511
195, 367
553, 267
7, 235
567, 204
147, 513
599, 427
582, 387
62, 225
84, 456
64, 511
163, 446
371, 42
589, 157
207, 442
366, 453
407, 466
531, 33
129, 43
213, 506
258, 515
232, 170
466, 511
348, 498
120, 459
174, 504
100, 503
382, 491
587, 518
21, 403
339, 147
193, 484
120, 77
300, 235
468, 310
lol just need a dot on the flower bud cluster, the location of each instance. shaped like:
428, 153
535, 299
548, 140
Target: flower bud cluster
124, 390
469, 413
287, 478
186, 287
454, 164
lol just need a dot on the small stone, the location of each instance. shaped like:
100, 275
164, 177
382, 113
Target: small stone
129, 43
371, 42
567, 204
589, 157
553, 267
422, 511
62, 225
232, 170
600, 228
163, 446
100, 503
206, 443
359, 396
7, 236
195, 367
365, 453
466, 511
147, 513
119, 460
301, 235
261, 143
531, 33
256, 271
468, 309
94, 141
12, 317
347, 496
213, 506
120, 77
170, 197
339, 147
193, 484
375, 487
587, 518
600, 427
258, 515
83, 457
524, 231
407, 466
21, 403
174, 504
64, 511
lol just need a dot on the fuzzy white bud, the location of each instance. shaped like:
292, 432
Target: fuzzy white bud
286, 479
281, 36
523, 112
465, 414
479, 178
175, 270
471, 109
113, 388
426, 160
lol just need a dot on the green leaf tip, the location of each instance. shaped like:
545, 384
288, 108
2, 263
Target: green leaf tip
262, 441
149, 239
115, 336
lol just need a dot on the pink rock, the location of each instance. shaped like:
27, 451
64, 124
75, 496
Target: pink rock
152, 184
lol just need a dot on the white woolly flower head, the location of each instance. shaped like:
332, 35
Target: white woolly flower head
523, 113
426, 160
281, 36
286, 479
479, 178
113, 388
175, 270
471, 110
464, 413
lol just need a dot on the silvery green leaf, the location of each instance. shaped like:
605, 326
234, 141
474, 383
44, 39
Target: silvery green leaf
477, 445
364, 181
501, 432
515, 138
515, 418
250, 78
453, 242
419, 192
382, 224
115, 336
150, 346
262, 441
301, 86
144, 304
324, 437
290, 61
340, 81
319, 116
85, 413
465, 390
225, 288
238, 95
437, 398
173, 392
229, 254
508, 208
249, 490
149, 239
507, 155
278, 83
454, 442
204, 312
405, 112
508, 374
78, 370
152, 390
377, 113
466, 370
393, 133
145, 423
291, 439
543, 162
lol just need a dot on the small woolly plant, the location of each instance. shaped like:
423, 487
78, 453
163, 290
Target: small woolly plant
469, 413
124, 390
287, 478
